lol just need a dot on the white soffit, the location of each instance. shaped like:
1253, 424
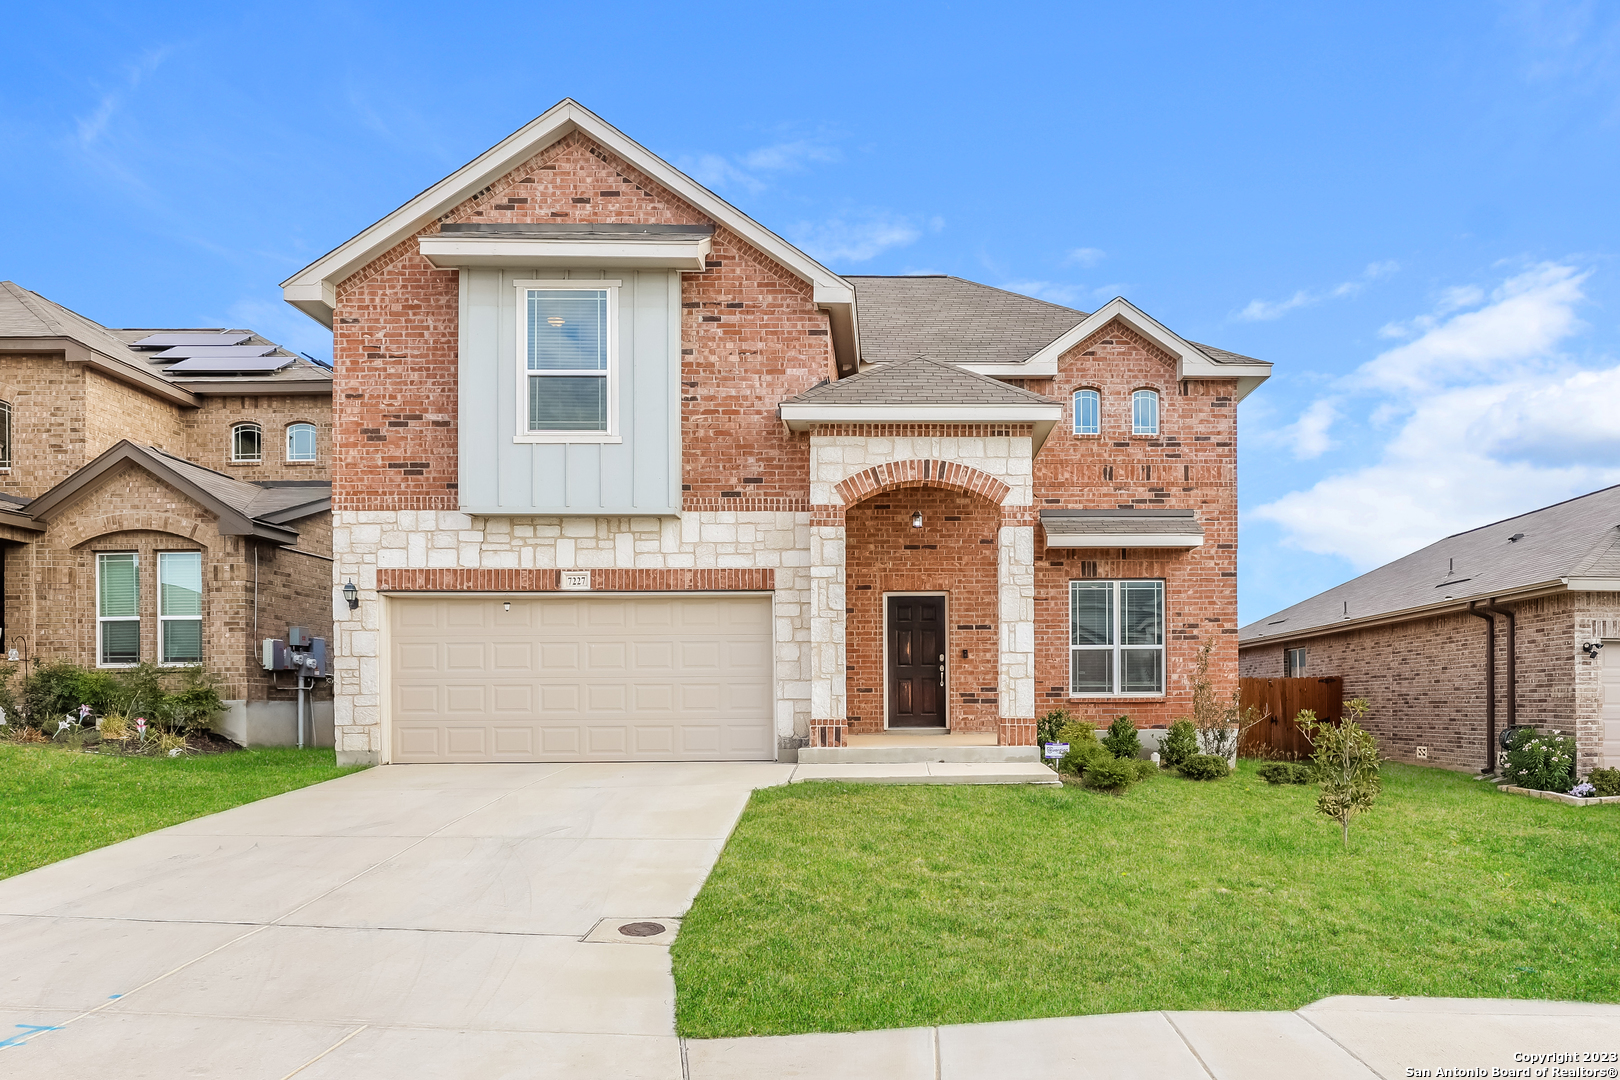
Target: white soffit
1191, 362
456, 250
313, 290
1126, 540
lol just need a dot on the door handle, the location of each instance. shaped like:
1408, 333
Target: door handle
942, 669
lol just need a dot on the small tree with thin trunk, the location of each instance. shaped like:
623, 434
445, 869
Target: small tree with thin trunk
1221, 726
1345, 763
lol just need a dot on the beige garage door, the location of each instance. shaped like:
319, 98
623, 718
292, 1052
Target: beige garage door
581, 678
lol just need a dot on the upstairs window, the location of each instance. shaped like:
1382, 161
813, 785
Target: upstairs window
1145, 413
247, 444
300, 442
118, 609
1087, 412
5, 434
1116, 637
567, 363
180, 607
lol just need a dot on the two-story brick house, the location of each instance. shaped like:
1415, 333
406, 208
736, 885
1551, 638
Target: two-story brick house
621, 474
165, 496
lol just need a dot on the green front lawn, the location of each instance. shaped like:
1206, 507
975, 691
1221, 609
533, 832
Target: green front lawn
847, 907
54, 804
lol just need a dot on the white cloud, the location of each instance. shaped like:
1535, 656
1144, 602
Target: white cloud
719, 172
89, 130
1056, 292
1308, 436
1491, 423
1086, 256
1527, 316
1266, 310
845, 240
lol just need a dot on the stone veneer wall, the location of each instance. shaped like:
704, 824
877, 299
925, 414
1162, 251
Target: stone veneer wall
364, 541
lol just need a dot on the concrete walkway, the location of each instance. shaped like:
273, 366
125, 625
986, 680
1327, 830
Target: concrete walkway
433, 921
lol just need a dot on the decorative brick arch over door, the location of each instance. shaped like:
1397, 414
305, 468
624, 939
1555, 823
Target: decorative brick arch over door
916, 472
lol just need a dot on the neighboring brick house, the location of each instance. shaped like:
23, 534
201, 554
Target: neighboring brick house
165, 496
621, 474
1515, 623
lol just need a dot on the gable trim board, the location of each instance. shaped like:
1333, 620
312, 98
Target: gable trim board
452, 251
1122, 529
1191, 361
313, 290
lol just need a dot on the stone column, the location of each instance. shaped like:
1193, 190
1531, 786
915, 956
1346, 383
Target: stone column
1015, 578
827, 690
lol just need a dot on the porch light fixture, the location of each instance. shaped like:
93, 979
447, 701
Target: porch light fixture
351, 594
916, 520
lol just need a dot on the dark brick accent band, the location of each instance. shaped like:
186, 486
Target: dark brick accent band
761, 579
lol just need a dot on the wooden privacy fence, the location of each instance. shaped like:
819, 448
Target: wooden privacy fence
1278, 736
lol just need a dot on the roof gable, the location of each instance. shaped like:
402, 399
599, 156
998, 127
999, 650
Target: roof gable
313, 289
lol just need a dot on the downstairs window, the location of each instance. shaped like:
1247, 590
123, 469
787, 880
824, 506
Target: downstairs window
1116, 638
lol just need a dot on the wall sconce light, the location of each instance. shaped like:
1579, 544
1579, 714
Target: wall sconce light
916, 520
351, 594
507, 606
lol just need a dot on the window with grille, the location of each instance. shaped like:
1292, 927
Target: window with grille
1145, 413
1087, 412
1116, 637
247, 444
118, 608
300, 442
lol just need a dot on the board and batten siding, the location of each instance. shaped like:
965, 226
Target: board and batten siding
640, 475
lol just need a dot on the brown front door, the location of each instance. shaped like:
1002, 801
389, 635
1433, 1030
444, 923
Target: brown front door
916, 661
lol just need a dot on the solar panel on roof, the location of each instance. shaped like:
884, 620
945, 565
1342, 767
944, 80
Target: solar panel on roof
247, 365
164, 341
213, 352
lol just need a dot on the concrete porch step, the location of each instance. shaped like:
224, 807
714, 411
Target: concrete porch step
929, 772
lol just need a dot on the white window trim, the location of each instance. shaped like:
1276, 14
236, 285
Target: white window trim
287, 431
521, 369
1074, 406
1304, 662
6, 440
1156, 422
136, 618
231, 450
162, 618
1118, 647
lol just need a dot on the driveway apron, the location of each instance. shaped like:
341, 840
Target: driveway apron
408, 920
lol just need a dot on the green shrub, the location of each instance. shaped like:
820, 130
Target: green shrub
1121, 739
1204, 767
1082, 753
1179, 744
1077, 731
1049, 728
55, 691
1145, 769
1541, 762
1110, 773
1285, 772
1605, 781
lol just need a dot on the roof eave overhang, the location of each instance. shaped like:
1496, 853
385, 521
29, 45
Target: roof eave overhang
1424, 611
1191, 361
215, 387
453, 251
17, 520
294, 513
1125, 540
1042, 418
77, 352
313, 290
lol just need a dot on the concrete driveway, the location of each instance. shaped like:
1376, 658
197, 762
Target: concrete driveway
421, 920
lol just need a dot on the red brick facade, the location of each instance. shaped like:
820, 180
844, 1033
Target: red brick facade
751, 336
954, 553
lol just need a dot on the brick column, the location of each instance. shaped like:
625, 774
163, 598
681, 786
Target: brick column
827, 691
1015, 578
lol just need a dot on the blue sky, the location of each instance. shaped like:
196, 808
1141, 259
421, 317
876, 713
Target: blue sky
1409, 209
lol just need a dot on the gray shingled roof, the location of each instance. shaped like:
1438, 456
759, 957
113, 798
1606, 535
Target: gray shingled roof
920, 380
26, 314
1105, 523
1579, 538
955, 320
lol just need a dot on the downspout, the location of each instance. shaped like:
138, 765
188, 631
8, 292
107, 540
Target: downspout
1512, 653
1490, 687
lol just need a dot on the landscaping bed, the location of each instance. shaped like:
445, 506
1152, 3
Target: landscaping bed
55, 803
850, 907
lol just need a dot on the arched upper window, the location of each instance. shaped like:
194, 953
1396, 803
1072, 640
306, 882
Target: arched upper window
5, 434
247, 444
1087, 412
300, 442
1145, 413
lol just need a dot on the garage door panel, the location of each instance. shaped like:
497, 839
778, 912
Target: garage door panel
581, 678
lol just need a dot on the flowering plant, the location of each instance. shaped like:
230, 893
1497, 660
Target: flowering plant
1541, 762
1583, 791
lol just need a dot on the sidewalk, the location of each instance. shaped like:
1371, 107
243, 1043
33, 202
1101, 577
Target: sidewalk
1338, 1038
